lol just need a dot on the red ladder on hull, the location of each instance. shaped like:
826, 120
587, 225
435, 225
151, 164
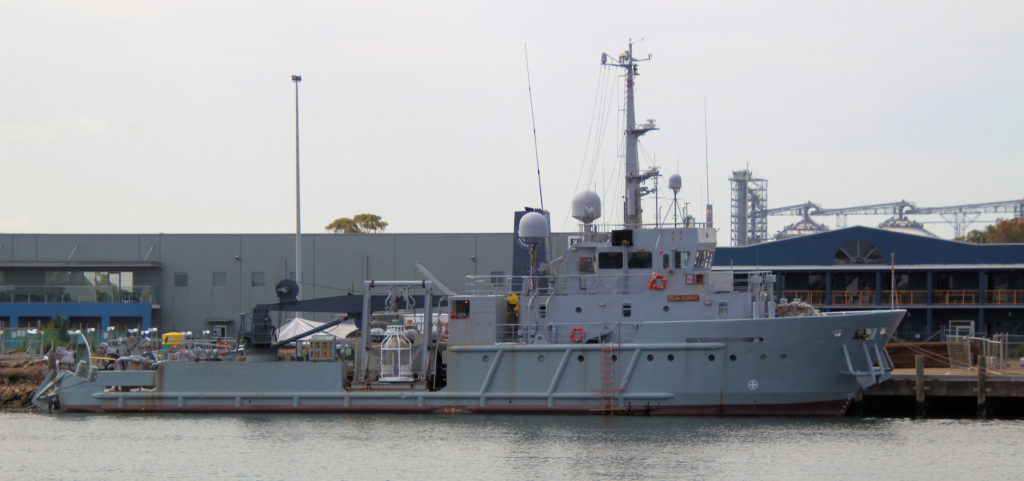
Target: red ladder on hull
609, 391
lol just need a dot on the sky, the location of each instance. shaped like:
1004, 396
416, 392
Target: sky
120, 116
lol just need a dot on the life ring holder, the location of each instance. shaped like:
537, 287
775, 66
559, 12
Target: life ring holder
576, 334
174, 351
658, 282
223, 347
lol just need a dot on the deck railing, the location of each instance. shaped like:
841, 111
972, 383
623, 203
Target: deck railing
906, 297
816, 298
955, 296
854, 298
71, 293
1004, 296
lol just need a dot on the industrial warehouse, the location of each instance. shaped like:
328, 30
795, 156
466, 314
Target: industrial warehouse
208, 282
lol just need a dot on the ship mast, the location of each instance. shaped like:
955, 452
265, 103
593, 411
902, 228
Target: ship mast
632, 212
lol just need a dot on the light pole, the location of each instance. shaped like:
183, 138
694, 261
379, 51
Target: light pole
298, 211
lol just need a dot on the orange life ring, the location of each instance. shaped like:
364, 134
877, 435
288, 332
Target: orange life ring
223, 347
576, 334
658, 282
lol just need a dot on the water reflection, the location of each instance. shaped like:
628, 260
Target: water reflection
321, 446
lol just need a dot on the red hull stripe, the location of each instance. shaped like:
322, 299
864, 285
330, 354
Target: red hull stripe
823, 408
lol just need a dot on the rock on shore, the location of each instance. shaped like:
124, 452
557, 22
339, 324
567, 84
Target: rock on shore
19, 380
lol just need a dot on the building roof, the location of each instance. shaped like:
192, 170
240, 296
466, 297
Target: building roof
860, 245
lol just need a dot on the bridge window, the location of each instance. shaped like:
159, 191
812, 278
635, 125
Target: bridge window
609, 260
703, 261
640, 260
682, 259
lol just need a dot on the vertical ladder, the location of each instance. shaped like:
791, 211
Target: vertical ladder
609, 391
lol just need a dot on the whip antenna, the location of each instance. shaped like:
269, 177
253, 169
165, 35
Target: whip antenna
533, 123
707, 168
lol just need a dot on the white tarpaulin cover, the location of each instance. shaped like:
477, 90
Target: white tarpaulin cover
299, 325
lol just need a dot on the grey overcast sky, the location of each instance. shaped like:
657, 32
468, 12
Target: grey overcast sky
125, 116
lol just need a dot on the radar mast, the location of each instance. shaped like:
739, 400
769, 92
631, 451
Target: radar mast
632, 211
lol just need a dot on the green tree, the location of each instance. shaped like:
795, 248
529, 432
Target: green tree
974, 237
358, 224
1002, 232
370, 222
1006, 231
343, 225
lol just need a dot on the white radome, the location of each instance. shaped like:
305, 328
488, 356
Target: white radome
675, 182
586, 206
533, 228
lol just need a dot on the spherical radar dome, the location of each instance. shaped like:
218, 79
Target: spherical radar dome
586, 206
533, 228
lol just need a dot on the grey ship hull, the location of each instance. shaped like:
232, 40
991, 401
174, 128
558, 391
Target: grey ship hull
810, 365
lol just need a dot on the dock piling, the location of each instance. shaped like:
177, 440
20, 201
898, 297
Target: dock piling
921, 408
982, 394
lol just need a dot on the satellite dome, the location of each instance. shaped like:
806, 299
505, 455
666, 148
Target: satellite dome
533, 228
675, 182
586, 206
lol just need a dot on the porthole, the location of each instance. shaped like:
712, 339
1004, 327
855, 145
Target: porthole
579, 358
732, 357
615, 358
671, 357
650, 357
711, 357
540, 358
486, 358
579, 309
783, 357
760, 339
764, 356
664, 308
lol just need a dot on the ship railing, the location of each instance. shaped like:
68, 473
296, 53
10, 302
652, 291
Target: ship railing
600, 284
580, 284
602, 232
565, 333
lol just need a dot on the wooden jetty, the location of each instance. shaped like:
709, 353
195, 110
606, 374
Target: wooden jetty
978, 391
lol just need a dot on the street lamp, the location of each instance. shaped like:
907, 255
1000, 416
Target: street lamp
298, 211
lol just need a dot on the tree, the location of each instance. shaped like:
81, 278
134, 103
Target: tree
358, 224
1006, 231
343, 225
1002, 232
370, 222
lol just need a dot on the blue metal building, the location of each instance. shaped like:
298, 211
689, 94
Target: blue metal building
936, 280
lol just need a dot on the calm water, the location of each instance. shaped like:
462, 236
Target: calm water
36, 446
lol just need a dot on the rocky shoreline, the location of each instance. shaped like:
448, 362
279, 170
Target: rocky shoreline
19, 379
